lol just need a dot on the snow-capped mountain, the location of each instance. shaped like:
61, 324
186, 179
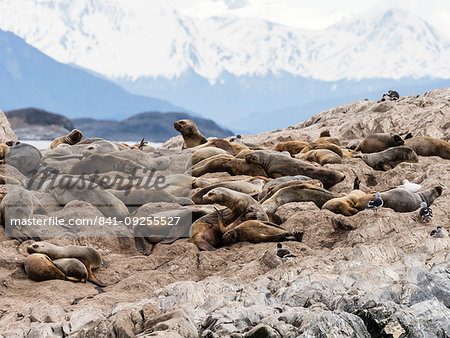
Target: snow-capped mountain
227, 59
150, 38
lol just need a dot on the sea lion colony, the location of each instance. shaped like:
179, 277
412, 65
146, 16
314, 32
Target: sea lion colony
237, 189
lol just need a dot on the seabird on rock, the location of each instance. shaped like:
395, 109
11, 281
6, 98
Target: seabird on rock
425, 212
438, 233
412, 187
283, 253
376, 203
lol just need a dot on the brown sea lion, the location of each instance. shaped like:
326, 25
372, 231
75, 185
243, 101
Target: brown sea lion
297, 193
87, 255
205, 153
232, 148
350, 204
255, 231
379, 142
321, 156
250, 188
191, 135
402, 200
73, 269
231, 165
239, 203
39, 267
277, 165
165, 226
429, 146
269, 192
293, 147
389, 158
323, 144
72, 138
326, 136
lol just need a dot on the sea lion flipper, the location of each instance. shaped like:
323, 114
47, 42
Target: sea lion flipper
386, 167
73, 279
204, 245
94, 280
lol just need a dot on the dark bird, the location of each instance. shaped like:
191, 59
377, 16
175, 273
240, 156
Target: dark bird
356, 182
376, 203
283, 253
425, 212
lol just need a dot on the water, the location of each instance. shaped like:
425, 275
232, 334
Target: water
44, 144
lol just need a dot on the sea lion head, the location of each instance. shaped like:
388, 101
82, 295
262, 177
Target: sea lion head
251, 158
325, 133
185, 127
398, 141
74, 136
230, 237
214, 195
38, 247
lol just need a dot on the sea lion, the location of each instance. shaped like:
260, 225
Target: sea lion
86, 254
191, 135
402, 200
73, 269
255, 231
101, 163
277, 165
350, 204
323, 144
297, 193
250, 188
283, 179
429, 146
163, 227
145, 160
139, 197
293, 147
19, 205
24, 157
232, 148
226, 163
379, 142
39, 267
389, 158
72, 138
204, 153
325, 133
321, 156
269, 192
239, 203
326, 136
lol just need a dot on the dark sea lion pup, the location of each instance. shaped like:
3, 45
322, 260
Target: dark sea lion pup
87, 255
191, 135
